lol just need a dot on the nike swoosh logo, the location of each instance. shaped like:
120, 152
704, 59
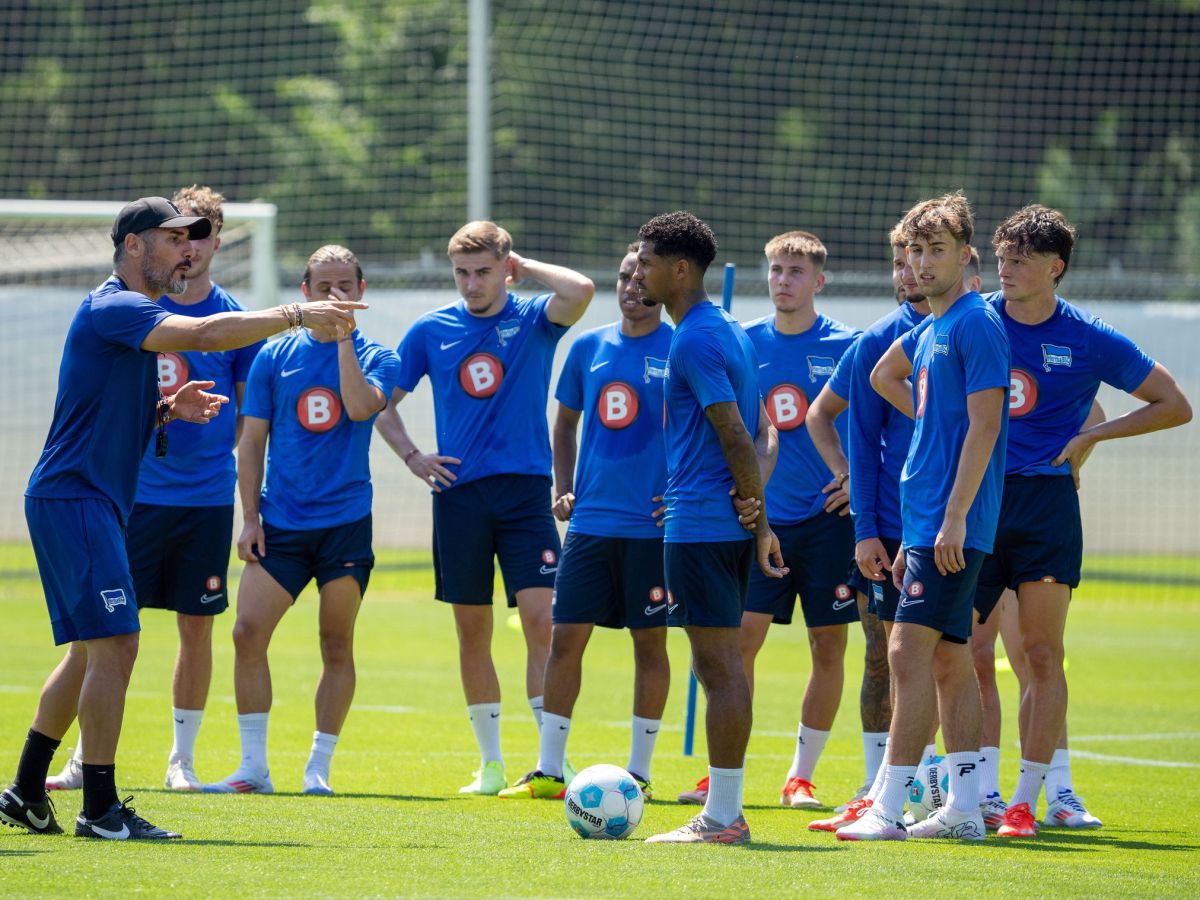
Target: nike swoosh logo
284, 373
112, 835
209, 598
599, 365
842, 604
651, 731
908, 602
445, 346
180, 721
651, 610
40, 823
549, 570
562, 727
763, 365
672, 608
495, 715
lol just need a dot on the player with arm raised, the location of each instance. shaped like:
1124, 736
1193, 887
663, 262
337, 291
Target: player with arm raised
181, 527
878, 439
950, 498
315, 400
83, 487
712, 417
488, 356
611, 571
798, 349
1060, 355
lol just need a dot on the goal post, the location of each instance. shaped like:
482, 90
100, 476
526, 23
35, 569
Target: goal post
44, 240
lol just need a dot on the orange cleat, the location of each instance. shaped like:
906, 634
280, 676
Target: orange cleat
1018, 822
697, 795
798, 794
851, 813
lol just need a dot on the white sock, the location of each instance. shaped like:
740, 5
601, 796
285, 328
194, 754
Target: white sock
880, 775
897, 781
964, 781
1029, 784
485, 722
645, 733
724, 803
809, 744
874, 744
253, 729
535, 704
78, 754
989, 772
553, 745
187, 726
929, 752
1059, 775
321, 753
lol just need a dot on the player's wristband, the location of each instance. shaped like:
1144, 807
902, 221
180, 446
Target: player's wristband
410, 454
841, 478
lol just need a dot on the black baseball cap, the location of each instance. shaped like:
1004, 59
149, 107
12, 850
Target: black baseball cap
157, 212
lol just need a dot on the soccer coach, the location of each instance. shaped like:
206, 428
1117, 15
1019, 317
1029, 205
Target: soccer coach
82, 490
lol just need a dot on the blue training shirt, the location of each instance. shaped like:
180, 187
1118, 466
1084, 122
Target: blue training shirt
491, 381
792, 369
1057, 367
107, 394
879, 433
617, 382
962, 352
318, 472
711, 361
199, 468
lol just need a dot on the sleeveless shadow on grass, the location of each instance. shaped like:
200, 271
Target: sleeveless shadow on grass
791, 848
1068, 842
313, 798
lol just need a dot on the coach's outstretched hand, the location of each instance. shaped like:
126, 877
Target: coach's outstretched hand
192, 403
770, 557
326, 316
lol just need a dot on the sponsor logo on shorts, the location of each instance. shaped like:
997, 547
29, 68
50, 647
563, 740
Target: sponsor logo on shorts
211, 598
877, 592
113, 598
671, 604
509, 328
657, 594
842, 604
550, 559
820, 367
651, 610
548, 570
843, 592
213, 583
1055, 355
914, 592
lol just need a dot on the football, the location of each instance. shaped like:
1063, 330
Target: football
603, 801
930, 786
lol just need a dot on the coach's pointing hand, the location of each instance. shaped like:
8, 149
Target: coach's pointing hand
192, 403
327, 315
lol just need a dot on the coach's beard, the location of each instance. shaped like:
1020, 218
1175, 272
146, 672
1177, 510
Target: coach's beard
162, 281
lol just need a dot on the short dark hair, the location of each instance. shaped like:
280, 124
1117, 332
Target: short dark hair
681, 235
1036, 229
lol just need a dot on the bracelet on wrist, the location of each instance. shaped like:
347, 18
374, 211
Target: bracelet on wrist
841, 478
410, 454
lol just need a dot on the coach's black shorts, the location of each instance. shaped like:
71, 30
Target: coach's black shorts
882, 596
819, 553
940, 602
707, 582
610, 581
179, 557
504, 516
1039, 538
295, 557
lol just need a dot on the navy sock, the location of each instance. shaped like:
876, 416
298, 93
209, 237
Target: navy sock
34, 766
99, 790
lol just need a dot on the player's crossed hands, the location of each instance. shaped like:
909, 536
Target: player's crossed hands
192, 403
838, 496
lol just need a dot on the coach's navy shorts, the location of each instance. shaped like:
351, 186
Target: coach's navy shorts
940, 602
882, 596
707, 582
1039, 538
505, 516
609, 581
179, 557
80, 551
819, 552
296, 556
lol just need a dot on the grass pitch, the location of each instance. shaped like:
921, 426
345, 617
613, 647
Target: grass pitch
398, 827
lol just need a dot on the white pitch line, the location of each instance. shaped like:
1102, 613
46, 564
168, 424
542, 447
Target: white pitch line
1147, 736
386, 709
1135, 761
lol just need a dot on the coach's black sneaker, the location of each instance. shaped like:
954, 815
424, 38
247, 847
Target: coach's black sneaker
38, 818
121, 823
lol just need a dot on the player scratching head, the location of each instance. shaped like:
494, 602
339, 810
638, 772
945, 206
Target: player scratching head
152, 245
637, 316
937, 237
675, 251
795, 275
481, 255
332, 273
1033, 249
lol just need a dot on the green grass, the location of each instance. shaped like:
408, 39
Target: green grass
397, 826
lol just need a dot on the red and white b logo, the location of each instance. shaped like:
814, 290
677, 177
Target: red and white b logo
922, 390
786, 406
480, 375
319, 409
172, 373
618, 405
1023, 393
